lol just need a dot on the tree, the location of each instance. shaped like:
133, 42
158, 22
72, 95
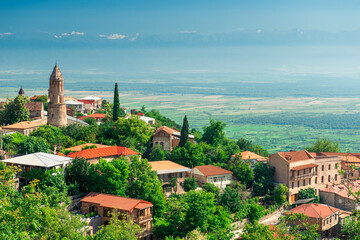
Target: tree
44, 100
230, 200
263, 179
309, 193
189, 184
242, 171
90, 120
33, 145
191, 155
324, 145
15, 111
158, 153
300, 228
246, 145
145, 184
124, 229
255, 212
78, 172
350, 228
280, 194
184, 137
258, 231
173, 184
209, 187
116, 106
214, 133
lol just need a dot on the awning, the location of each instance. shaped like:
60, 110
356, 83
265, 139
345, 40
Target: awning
311, 165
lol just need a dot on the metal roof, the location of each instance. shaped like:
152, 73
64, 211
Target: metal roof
39, 159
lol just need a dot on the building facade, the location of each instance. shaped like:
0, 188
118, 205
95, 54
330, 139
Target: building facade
56, 106
212, 174
168, 138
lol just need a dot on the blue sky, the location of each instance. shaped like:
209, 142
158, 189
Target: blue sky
203, 16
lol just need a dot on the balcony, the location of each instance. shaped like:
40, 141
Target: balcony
302, 176
144, 218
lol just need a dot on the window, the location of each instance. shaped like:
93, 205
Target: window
304, 171
322, 179
322, 168
304, 182
181, 175
329, 166
292, 185
310, 181
335, 216
298, 183
329, 178
335, 177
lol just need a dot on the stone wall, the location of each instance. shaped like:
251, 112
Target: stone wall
57, 114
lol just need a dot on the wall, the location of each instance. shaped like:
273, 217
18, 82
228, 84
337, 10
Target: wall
338, 201
163, 137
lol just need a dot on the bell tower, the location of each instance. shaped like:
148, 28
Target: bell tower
56, 106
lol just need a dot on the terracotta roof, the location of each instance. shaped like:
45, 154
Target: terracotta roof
34, 106
103, 152
96, 115
311, 165
116, 202
165, 129
314, 210
27, 124
167, 166
347, 157
210, 170
78, 148
35, 97
140, 114
342, 190
87, 101
293, 156
250, 156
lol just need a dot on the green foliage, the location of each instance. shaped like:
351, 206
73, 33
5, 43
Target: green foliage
246, 145
173, 184
242, 170
209, 187
257, 231
230, 200
15, 111
280, 194
190, 156
77, 173
12, 142
214, 133
300, 228
124, 229
263, 179
33, 145
81, 133
116, 104
53, 136
350, 228
324, 145
189, 184
163, 120
158, 153
184, 138
90, 120
213, 154
309, 193
144, 184
250, 209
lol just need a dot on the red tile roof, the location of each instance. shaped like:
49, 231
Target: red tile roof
140, 114
116, 202
87, 101
165, 129
293, 156
103, 152
314, 210
342, 190
96, 115
210, 170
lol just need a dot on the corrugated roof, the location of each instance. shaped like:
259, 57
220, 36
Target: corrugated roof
116, 202
39, 159
210, 170
314, 210
166, 166
103, 152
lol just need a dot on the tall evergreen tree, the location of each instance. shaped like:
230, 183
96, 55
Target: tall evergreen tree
184, 138
116, 106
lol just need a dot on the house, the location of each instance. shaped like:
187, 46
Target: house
168, 138
146, 119
91, 103
251, 156
36, 109
140, 211
212, 174
338, 196
93, 155
299, 170
25, 127
38, 160
80, 147
323, 215
99, 117
166, 170
78, 106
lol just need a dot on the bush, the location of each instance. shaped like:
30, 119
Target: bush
189, 184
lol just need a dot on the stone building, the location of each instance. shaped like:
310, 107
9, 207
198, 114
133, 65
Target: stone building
36, 109
168, 138
56, 107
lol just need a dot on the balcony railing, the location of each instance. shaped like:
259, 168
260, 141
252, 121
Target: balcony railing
302, 176
144, 218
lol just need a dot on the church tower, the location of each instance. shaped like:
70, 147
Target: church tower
21, 92
56, 106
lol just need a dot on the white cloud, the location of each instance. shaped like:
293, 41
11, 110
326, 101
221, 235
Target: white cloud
134, 38
114, 36
56, 36
69, 34
188, 31
259, 31
6, 34
77, 33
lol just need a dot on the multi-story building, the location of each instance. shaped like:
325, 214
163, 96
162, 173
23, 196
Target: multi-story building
140, 211
91, 103
78, 106
300, 169
168, 138
212, 174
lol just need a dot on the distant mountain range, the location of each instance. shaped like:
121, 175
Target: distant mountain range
184, 38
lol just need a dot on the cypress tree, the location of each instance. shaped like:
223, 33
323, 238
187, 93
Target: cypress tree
184, 138
116, 106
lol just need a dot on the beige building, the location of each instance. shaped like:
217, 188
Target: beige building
300, 170
166, 170
140, 211
25, 127
168, 138
212, 174
36, 109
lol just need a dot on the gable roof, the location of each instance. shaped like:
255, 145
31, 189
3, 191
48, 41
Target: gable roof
113, 201
294, 156
34, 106
103, 152
96, 115
78, 148
314, 210
27, 124
210, 170
170, 131
247, 155
166, 166
39, 159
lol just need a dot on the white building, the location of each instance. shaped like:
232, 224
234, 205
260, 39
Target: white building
79, 106
212, 174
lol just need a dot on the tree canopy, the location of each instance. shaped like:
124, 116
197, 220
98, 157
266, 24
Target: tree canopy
15, 111
324, 145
